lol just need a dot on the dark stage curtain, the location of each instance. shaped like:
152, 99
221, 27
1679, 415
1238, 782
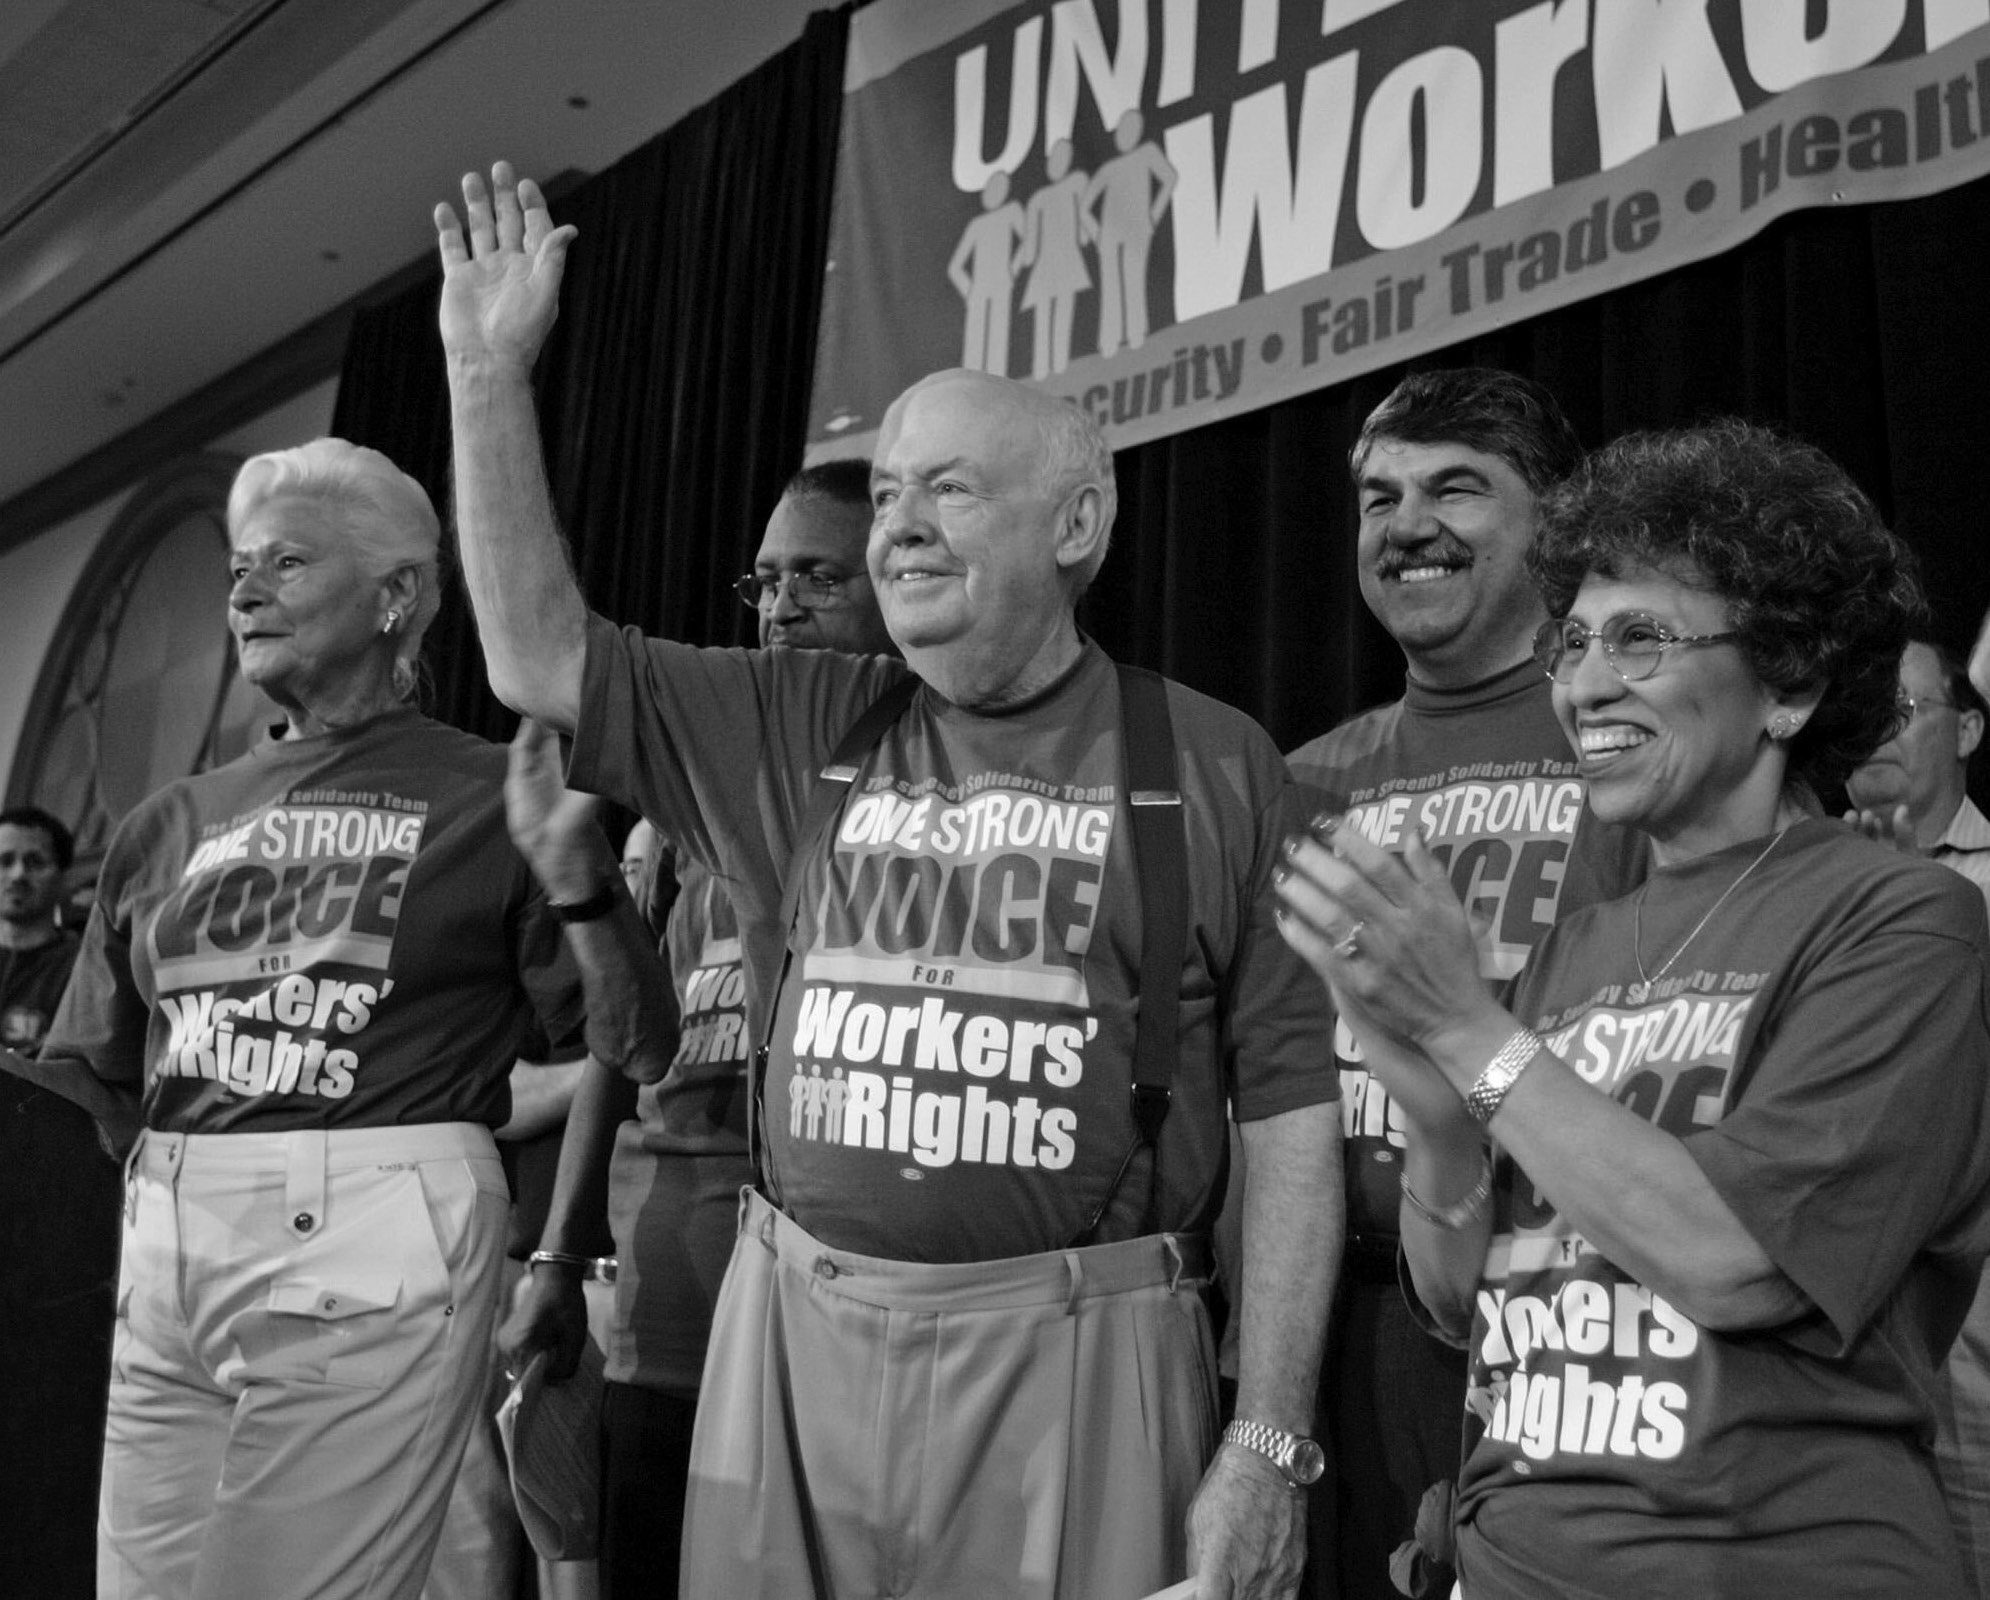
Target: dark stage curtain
675, 388
673, 392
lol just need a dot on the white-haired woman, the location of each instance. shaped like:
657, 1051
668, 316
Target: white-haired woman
313, 969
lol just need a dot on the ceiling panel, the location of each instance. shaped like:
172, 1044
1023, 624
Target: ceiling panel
73, 85
299, 167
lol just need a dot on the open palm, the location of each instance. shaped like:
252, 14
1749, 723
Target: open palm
501, 269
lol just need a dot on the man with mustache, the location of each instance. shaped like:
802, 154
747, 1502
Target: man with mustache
1448, 470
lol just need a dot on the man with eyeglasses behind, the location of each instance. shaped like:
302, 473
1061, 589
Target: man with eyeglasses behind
1449, 470
667, 1161
1915, 789
808, 583
1916, 784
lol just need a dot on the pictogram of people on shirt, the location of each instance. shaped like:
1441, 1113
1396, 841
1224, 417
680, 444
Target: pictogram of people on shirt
815, 1104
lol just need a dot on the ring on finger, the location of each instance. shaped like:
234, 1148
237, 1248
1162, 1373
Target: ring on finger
1348, 945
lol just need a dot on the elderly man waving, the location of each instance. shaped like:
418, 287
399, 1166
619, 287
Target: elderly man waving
961, 1347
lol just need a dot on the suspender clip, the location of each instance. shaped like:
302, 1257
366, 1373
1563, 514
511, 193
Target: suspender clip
1150, 1110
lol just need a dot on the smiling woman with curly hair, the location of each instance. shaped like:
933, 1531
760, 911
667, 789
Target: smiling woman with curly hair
1703, 1192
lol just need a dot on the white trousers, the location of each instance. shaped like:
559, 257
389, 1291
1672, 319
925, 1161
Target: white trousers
299, 1353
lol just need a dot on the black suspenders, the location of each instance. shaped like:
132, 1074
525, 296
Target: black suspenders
832, 788
1160, 854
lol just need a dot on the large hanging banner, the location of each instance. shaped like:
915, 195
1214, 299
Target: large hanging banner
1171, 211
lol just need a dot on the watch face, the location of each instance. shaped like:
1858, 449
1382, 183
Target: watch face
1308, 1461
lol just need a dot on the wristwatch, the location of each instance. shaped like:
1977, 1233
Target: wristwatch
593, 908
1489, 1088
1301, 1460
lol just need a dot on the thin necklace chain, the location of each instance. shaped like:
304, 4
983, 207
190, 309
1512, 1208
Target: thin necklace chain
1638, 908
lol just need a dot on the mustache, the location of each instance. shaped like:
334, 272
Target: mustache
1446, 551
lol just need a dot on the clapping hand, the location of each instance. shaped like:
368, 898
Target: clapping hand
1395, 947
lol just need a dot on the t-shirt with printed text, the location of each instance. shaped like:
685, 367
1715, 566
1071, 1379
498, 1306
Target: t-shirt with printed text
1485, 773
951, 1058
678, 1167
31, 985
328, 932
1821, 1048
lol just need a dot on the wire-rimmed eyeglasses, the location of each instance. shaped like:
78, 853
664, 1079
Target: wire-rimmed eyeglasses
1633, 642
812, 591
1910, 705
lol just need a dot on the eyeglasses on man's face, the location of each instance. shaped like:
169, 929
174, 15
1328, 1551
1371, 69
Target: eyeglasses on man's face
1633, 642
1912, 705
812, 591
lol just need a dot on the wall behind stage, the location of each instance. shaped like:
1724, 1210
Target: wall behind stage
1863, 330
38, 577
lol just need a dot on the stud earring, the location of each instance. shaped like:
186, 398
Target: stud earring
390, 622
1784, 726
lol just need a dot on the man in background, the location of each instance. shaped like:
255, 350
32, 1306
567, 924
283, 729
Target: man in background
58, 1232
1914, 789
1448, 470
1917, 782
667, 1162
36, 951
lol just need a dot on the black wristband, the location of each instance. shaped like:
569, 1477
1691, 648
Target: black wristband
592, 909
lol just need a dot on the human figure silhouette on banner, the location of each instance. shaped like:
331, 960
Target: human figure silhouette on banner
983, 273
1056, 229
1135, 187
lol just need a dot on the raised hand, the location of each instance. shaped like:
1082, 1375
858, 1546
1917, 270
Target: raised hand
501, 283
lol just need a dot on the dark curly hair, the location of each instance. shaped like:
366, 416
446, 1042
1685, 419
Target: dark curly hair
1500, 413
1819, 590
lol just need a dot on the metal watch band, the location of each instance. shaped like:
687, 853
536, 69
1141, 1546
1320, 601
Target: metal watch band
1283, 1450
1490, 1087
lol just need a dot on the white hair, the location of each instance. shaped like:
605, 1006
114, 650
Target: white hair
1072, 452
385, 514
1076, 456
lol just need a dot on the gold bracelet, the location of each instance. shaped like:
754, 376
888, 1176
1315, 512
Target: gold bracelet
1469, 1209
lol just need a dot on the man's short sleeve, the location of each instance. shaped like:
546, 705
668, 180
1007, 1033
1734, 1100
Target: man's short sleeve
1280, 1025
718, 748
550, 975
